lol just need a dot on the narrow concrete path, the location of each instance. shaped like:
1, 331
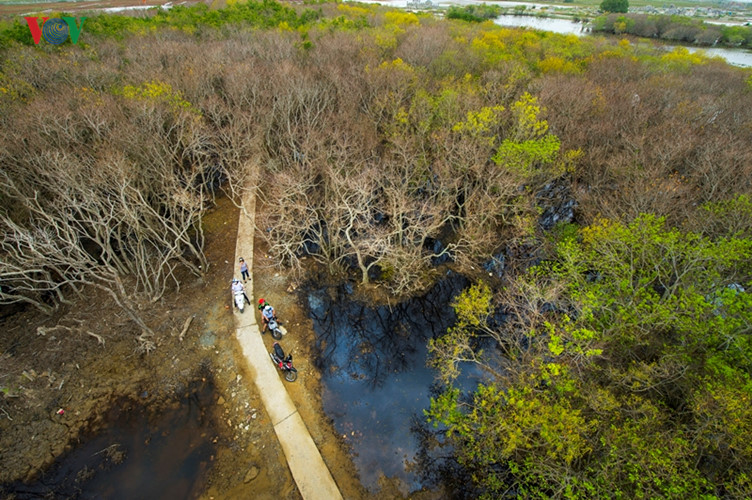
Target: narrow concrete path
311, 474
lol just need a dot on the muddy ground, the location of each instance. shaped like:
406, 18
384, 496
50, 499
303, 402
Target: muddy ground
67, 368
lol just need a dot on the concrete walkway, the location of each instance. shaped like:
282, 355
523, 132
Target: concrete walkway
311, 474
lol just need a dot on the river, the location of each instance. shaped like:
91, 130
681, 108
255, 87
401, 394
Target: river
561, 26
735, 57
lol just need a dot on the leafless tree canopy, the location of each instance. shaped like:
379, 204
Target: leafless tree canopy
103, 191
354, 145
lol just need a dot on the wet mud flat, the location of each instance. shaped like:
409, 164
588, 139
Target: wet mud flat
159, 451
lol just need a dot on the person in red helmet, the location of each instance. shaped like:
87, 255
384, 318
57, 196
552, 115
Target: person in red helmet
267, 313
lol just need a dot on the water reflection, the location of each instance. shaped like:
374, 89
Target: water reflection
359, 342
561, 26
376, 383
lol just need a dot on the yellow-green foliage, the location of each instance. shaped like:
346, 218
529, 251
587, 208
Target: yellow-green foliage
732, 216
523, 157
555, 64
495, 45
386, 38
531, 421
13, 87
620, 398
396, 67
473, 306
723, 409
353, 11
528, 146
481, 124
571, 158
681, 58
90, 96
582, 342
429, 112
526, 111
158, 92
401, 19
492, 46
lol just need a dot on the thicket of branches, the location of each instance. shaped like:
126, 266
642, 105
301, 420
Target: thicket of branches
105, 191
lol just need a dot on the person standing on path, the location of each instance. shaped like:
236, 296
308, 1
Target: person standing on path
244, 270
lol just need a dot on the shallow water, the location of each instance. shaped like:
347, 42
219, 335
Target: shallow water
375, 380
138, 455
555, 25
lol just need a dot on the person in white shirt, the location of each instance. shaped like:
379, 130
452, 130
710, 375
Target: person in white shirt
267, 313
237, 286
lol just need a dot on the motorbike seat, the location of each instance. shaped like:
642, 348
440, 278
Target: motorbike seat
278, 351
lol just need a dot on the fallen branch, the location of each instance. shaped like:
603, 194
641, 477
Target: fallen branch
145, 344
186, 325
44, 330
107, 450
99, 338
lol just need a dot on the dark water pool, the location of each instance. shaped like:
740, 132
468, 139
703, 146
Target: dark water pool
375, 380
140, 454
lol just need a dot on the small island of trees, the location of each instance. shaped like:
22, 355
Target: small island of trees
615, 6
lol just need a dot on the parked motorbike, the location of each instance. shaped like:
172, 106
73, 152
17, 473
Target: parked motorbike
283, 362
276, 329
239, 301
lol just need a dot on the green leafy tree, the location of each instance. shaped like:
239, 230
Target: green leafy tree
529, 145
629, 383
474, 13
614, 5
